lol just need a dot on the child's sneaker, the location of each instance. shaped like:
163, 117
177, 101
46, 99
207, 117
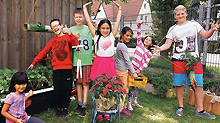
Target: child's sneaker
78, 109
125, 112
203, 113
107, 117
137, 105
179, 111
129, 106
65, 112
83, 112
100, 118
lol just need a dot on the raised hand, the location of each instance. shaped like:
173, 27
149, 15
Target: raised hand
119, 7
155, 49
66, 30
215, 26
87, 4
140, 22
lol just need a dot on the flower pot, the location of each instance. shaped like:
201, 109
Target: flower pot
190, 99
216, 108
41, 101
104, 104
207, 105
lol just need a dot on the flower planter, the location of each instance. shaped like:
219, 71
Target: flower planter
216, 108
150, 89
207, 105
190, 99
41, 101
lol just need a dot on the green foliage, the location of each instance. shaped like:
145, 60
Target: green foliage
108, 87
109, 1
162, 81
5, 78
190, 61
212, 85
40, 77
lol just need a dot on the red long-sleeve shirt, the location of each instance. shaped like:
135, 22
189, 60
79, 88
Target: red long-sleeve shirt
61, 51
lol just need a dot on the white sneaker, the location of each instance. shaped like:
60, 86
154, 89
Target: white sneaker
137, 105
130, 106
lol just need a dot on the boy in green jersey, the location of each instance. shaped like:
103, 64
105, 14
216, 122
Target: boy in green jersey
85, 55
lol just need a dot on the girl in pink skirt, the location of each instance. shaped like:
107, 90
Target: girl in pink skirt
104, 38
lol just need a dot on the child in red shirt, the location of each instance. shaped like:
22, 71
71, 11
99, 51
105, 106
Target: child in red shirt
61, 47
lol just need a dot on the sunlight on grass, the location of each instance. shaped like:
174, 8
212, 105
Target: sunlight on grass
159, 117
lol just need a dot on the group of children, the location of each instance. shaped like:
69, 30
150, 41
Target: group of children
104, 37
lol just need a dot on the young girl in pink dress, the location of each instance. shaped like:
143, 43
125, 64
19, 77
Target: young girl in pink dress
104, 38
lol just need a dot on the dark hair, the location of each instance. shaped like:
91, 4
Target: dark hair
125, 30
18, 78
153, 42
99, 33
100, 24
78, 10
55, 20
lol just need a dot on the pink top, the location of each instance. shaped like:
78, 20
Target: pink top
142, 55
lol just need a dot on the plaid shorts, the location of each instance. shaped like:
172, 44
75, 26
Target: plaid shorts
86, 70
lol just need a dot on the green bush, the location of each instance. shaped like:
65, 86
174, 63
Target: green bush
5, 78
162, 81
39, 78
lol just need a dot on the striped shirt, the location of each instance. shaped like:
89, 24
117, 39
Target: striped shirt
142, 55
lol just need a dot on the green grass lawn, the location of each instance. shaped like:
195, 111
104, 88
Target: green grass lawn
155, 110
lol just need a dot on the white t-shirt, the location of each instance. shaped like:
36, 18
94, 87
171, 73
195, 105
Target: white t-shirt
185, 38
106, 45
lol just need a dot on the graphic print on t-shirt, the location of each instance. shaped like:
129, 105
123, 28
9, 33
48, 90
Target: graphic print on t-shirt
59, 49
106, 44
191, 43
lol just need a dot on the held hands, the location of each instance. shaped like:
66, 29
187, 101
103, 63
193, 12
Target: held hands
215, 26
65, 30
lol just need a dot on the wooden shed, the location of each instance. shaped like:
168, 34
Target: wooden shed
17, 47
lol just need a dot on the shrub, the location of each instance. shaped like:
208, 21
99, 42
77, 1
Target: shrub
162, 81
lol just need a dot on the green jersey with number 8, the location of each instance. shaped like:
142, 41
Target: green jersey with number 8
84, 53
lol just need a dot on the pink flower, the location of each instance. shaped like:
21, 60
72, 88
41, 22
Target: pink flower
97, 83
121, 83
92, 89
105, 91
112, 89
116, 82
119, 90
124, 91
103, 80
109, 85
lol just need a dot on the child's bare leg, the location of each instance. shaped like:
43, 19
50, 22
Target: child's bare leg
179, 95
199, 98
85, 91
79, 91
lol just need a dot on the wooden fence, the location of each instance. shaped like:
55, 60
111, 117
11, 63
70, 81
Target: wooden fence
17, 47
